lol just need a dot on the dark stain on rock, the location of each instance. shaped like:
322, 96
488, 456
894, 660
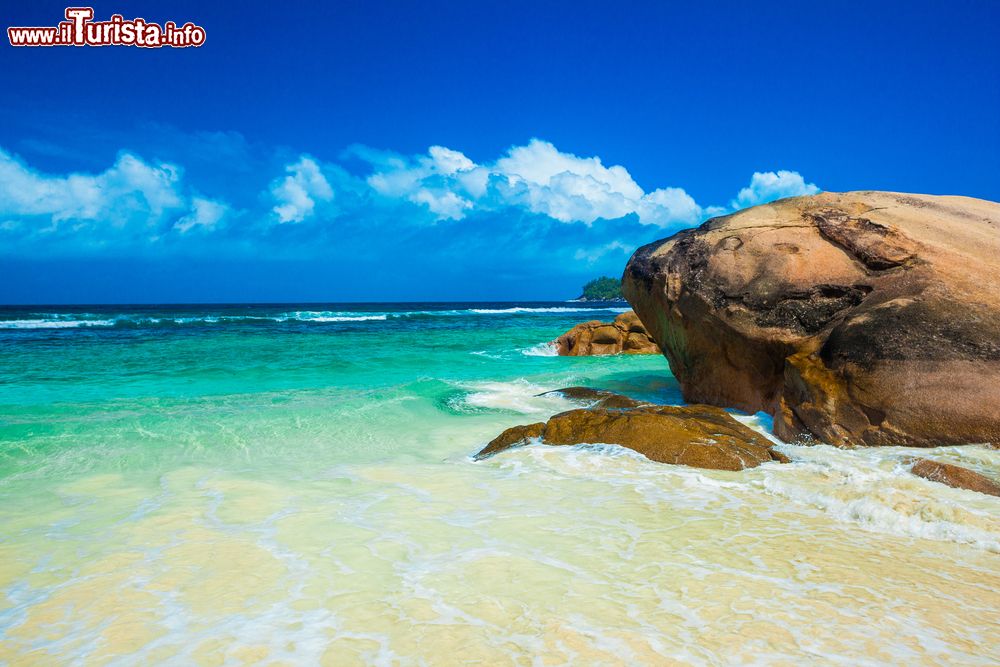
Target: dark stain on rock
876, 246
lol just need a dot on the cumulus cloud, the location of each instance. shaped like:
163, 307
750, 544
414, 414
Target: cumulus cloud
533, 198
563, 186
541, 179
297, 193
132, 203
129, 192
768, 186
671, 205
443, 180
536, 177
205, 214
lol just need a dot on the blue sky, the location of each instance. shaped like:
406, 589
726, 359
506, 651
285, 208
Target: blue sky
444, 150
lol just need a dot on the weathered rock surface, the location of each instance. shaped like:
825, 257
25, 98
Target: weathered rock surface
955, 476
626, 334
862, 318
700, 436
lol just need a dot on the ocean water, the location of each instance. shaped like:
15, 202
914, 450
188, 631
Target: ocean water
293, 484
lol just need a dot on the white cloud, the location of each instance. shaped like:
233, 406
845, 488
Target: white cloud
536, 177
297, 193
138, 201
566, 187
444, 203
669, 205
205, 214
446, 161
129, 192
443, 181
768, 186
539, 178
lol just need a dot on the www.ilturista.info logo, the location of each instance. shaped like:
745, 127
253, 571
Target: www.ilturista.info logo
79, 29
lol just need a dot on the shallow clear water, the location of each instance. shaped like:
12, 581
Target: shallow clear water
293, 485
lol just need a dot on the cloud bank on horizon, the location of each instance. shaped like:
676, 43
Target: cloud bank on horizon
532, 195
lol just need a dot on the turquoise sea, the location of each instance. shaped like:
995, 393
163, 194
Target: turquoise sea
293, 484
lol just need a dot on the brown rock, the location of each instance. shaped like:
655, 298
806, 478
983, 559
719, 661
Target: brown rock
700, 436
598, 398
512, 437
956, 476
630, 322
863, 318
625, 335
779, 457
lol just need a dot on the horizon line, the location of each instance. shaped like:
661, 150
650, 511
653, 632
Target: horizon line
297, 303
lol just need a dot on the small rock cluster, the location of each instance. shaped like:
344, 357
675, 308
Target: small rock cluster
626, 335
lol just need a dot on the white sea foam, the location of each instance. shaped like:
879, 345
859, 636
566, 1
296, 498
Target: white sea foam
54, 324
327, 316
556, 309
346, 318
487, 354
517, 396
871, 488
78, 320
761, 422
547, 349
874, 488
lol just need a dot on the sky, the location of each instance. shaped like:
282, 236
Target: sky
391, 151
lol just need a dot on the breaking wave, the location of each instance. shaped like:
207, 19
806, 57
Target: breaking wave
182, 318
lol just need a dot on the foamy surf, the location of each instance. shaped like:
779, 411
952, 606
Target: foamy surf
873, 488
556, 309
331, 317
519, 396
54, 324
547, 349
70, 320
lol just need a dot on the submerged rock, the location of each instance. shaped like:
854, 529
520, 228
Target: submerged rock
863, 318
512, 437
700, 436
955, 476
599, 398
625, 335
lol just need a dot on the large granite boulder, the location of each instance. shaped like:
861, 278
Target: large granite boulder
626, 335
862, 318
700, 436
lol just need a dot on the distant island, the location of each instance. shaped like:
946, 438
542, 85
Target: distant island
602, 289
